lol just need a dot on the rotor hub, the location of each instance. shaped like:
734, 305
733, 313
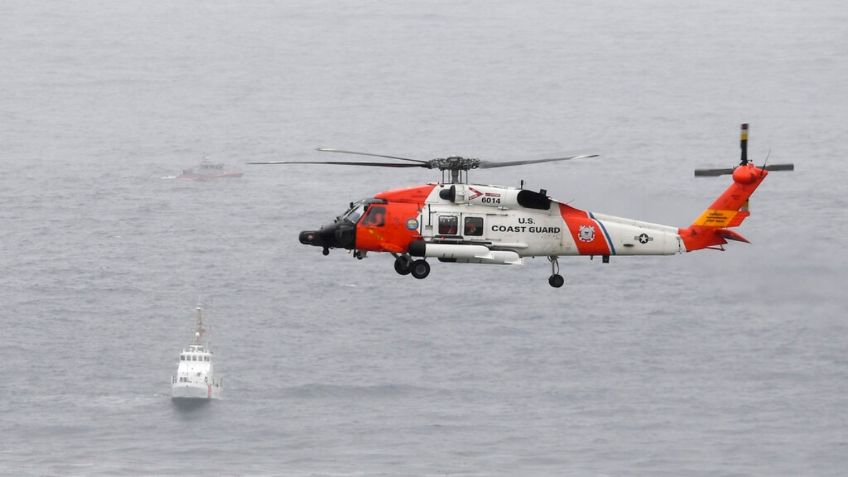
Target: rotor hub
454, 163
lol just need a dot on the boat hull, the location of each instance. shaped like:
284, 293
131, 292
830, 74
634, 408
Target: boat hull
194, 391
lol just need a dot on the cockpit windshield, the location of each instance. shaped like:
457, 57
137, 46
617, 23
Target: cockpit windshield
355, 212
357, 208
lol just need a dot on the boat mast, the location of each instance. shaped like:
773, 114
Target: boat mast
198, 334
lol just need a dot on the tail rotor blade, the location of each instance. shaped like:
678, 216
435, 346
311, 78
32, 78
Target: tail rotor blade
720, 172
713, 172
743, 144
780, 167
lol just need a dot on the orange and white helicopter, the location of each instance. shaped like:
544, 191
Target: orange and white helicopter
454, 221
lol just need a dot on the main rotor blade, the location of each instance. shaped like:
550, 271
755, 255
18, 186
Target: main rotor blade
491, 164
344, 163
326, 149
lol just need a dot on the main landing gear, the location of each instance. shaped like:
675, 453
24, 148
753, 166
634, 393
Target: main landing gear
404, 265
556, 280
420, 269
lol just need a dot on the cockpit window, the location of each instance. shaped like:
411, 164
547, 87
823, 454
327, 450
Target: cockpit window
355, 212
357, 208
375, 217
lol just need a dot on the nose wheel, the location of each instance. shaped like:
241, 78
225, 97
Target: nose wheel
555, 280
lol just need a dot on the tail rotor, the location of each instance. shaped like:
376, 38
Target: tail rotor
743, 160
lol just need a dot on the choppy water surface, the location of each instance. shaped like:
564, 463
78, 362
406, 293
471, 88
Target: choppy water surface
707, 364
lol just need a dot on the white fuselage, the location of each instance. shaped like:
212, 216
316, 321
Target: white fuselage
504, 223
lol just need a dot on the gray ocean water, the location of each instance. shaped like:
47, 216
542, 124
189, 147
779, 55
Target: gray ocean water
712, 363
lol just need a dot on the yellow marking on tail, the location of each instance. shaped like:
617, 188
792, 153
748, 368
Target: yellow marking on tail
715, 218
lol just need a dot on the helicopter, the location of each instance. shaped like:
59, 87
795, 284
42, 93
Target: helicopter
455, 221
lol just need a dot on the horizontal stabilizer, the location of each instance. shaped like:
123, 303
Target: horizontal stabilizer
731, 235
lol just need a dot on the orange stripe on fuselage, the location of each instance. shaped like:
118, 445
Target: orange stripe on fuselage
586, 232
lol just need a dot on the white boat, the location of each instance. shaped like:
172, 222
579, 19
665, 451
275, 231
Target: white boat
195, 379
207, 171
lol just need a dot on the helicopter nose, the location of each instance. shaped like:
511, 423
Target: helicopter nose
325, 237
309, 237
330, 236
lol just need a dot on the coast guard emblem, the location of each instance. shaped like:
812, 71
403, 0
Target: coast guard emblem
412, 224
586, 233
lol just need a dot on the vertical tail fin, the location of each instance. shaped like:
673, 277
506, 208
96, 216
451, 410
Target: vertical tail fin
728, 210
731, 207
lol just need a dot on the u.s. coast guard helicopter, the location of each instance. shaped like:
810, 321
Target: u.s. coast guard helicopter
458, 222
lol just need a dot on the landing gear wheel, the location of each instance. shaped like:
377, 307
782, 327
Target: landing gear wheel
326, 251
556, 281
420, 269
403, 264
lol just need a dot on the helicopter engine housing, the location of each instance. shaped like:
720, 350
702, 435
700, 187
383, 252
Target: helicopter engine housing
494, 196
